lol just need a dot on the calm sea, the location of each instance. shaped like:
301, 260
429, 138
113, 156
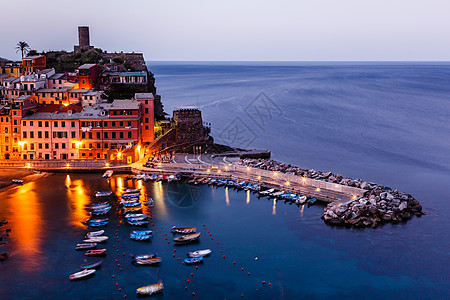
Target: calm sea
383, 122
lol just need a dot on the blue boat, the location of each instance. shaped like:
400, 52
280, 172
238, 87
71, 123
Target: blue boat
140, 237
131, 204
144, 256
97, 224
137, 223
92, 265
193, 260
101, 211
97, 220
132, 219
142, 232
312, 200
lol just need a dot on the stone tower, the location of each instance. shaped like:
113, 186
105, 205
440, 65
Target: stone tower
83, 39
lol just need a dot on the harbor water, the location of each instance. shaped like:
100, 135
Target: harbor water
386, 123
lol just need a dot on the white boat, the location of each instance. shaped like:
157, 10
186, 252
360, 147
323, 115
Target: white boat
96, 239
266, 192
103, 194
129, 191
134, 215
18, 181
198, 253
108, 174
94, 233
301, 200
82, 274
276, 194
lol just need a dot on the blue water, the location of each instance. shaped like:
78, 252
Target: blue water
386, 123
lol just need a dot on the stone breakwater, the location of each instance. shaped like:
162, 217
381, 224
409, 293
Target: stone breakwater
379, 204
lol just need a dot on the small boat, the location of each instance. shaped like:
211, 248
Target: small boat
92, 265
301, 200
96, 239
97, 224
17, 181
130, 200
277, 194
149, 202
150, 289
134, 215
198, 253
193, 260
142, 232
137, 223
183, 230
131, 204
103, 194
83, 246
99, 205
101, 211
148, 261
267, 192
108, 174
144, 256
82, 274
135, 219
94, 233
187, 238
140, 237
130, 191
95, 252
312, 200
132, 195
97, 220
132, 209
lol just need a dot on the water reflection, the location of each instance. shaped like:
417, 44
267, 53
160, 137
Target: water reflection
28, 223
301, 210
158, 194
248, 197
78, 200
227, 199
274, 207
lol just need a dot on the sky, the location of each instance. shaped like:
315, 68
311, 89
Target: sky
236, 30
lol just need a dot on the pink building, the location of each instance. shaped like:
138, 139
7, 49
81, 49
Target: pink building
146, 101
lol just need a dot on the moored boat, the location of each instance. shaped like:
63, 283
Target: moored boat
137, 222
130, 191
150, 289
144, 256
142, 232
198, 253
101, 211
83, 246
95, 252
193, 260
134, 215
140, 237
95, 233
97, 224
17, 181
187, 238
92, 265
96, 239
132, 209
82, 274
103, 194
148, 261
108, 174
132, 195
183, 230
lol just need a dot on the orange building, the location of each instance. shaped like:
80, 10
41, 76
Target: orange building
88, 76
148, 120
33, 63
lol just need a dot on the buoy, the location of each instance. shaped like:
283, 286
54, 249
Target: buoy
185, 287
165, 238
212, 238
124, 254
124, 296
196, 267
210, 234
165, 233
257, 289
168, 242
153, 224
192, 274
203, 224
161, 227
174, 250
263, 282
117, 284
117, 250
193, 294
188, 280
120, 289
118, 265
117, 260
174, 255
114, 276
233, 262
242, 295
120, 269
270, 283
114, 246
248, 273
242, 269
223, 256
220, 246
182, 263
220, 251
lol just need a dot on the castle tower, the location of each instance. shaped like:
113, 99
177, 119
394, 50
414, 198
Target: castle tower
83, 39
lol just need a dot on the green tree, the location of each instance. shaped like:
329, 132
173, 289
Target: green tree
23, 47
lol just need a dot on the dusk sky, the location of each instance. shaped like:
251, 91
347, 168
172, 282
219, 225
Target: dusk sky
201, 30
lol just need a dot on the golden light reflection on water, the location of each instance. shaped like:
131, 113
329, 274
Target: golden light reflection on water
28, 222
301, 210
227, 199
248, 197
158, 197
77, 201
274, 207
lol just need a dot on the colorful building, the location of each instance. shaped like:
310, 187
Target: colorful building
88, 76
33, 63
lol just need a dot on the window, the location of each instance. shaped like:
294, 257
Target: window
31, 134
146, 101
89, 124
129, 123
15, 121
113, 123
24, 134
98, 155
83, 124
47, 135
121, 124
83, 154
106, 135
46, 123
72, 124
73, 134
105, 124
6, 148
129, 134
98, 135
98, 124
146, 110
56, 146
98, 146
90, 135
113, 135
83, 135
63, 145
6, 140
40, 145
83, 81
31, 123
40, 123
106, 145
55, 124
63, 124
47, 146
31, 146
6, 129
24, 123
15, 112
146, 120
90, 145
90, 154
121, 135
39, 134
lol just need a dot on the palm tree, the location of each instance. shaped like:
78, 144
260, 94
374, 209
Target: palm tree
23, 47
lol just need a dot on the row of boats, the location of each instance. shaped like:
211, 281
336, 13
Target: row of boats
154, 177
243, 185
